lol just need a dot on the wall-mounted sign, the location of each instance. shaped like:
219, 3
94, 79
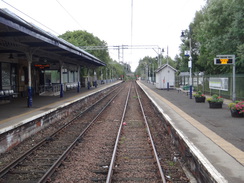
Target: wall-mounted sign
187, 53
224, 60
42, 66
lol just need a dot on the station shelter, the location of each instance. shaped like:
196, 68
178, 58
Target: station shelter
165, 77
33, 61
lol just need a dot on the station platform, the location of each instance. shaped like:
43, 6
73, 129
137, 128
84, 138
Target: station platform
14, 112
215, 136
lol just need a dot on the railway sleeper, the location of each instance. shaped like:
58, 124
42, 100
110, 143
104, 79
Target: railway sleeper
22, 181
135, 179
40, 164
95, 179
126, 169
135, 156
19, 172
101, 171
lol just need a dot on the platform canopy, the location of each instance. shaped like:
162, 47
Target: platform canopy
18, 37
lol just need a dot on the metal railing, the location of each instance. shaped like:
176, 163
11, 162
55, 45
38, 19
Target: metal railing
49, 88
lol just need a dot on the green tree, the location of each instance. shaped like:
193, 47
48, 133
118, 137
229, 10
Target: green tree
218, 29
148, 65
81, 38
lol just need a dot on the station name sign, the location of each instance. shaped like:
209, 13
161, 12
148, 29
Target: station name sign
42, 66
224, 60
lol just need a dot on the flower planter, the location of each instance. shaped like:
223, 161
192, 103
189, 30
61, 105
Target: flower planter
236, 114
200, 99
215, 104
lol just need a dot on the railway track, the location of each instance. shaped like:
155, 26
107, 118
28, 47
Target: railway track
108, 142
39, 162
134, 156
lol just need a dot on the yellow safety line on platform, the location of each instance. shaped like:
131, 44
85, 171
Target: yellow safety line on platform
225, 145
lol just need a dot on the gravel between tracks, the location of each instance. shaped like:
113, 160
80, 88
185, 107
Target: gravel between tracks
89, 161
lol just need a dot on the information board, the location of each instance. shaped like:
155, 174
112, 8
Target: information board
218, 83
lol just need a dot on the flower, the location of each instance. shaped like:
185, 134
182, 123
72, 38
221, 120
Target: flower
198, 94
238, 105
215, 98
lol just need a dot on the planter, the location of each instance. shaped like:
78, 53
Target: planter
215, 104
200, 99
236, 114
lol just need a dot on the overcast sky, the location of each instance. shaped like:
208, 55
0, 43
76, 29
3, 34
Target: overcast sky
149, 22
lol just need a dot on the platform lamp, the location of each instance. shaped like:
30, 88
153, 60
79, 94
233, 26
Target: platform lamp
183, 38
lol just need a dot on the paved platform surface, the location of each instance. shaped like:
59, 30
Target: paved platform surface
216, 135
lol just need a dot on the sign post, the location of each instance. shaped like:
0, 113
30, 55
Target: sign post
228, 60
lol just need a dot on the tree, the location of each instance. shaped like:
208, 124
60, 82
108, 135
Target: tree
148, 65
218, 29
81, 38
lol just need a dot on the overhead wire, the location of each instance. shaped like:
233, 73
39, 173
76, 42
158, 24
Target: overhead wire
69, 14
131, 30
31, 18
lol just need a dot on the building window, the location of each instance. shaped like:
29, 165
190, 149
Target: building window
6, 84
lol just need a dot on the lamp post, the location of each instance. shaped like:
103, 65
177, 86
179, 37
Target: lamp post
159, 53
183, 37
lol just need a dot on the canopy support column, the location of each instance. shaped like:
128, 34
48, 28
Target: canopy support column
29, 99
61, 80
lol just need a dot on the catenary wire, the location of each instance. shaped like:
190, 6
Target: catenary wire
69, 14
30, 17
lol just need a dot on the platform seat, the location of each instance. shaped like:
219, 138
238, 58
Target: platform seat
7, 94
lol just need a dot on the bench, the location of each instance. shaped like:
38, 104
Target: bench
184, 91
7, 94
179, 90
71, 86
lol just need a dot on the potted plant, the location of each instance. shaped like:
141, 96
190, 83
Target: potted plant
199, 97
215, 101
237, 108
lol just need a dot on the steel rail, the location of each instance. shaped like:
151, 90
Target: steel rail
151, 140
111, 166
14, 163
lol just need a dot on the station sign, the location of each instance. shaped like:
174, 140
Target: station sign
187, 53
224, 60
42, 66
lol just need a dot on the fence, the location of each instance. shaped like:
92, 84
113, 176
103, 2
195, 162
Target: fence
49, 88
215, 84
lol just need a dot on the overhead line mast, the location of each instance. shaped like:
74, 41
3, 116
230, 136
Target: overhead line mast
120, 48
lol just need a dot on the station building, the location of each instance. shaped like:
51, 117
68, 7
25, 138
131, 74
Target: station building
165, 77
33, 61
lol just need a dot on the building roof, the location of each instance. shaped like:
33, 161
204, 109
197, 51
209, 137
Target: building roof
19, 36
164, 66
184, 74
